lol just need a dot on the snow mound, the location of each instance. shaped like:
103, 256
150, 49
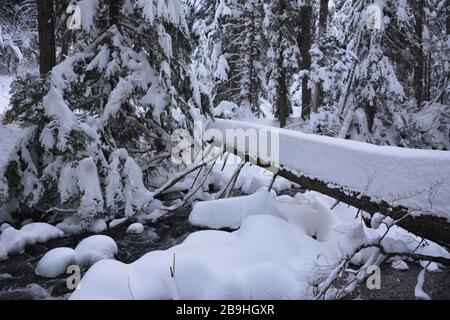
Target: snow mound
93, 249
231, 212
266, 258
15, 240
97, 226
135, 228
55, 262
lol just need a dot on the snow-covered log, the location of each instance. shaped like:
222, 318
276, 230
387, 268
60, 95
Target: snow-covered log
409, 185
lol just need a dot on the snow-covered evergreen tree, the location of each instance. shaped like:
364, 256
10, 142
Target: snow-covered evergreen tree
120, 95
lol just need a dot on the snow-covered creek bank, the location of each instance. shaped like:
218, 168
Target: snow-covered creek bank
19, 281
17, 273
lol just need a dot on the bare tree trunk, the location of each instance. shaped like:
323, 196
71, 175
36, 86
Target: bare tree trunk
46, 29
420, 59
304, 41
282, 103
323, 18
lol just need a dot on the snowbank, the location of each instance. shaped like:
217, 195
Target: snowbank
260, 260
55, 262
416, 179
93, 249
277, 253
231, 212
135, 228
15, 240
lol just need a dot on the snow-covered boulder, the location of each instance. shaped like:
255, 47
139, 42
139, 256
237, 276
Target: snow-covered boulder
135, 228
93, 249
55, 262
15, 240
40, 232
97, 226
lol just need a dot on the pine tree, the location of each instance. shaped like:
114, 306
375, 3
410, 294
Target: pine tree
123, 93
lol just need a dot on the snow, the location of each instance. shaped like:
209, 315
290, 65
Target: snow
231, 212
97, 226
399, 265
135, 228
275, 253
55, 262
416, 179
418, 291
15, 241
93, 249
5, 85
117, 222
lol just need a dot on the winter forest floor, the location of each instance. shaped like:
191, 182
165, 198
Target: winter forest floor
19, 281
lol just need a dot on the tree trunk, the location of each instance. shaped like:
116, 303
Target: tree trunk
114, 11
323, 17
304, 41
282, 101
46, 29
420, 59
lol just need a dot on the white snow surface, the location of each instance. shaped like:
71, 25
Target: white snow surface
55, 262
273, 255
5, 85
135, 228
15, 240
93, 249
416, 179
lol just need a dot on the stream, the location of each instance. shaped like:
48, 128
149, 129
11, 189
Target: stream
19, 282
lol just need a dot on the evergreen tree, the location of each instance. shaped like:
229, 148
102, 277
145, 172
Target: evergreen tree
122, 93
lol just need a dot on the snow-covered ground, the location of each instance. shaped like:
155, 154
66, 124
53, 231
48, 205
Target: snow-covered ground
416, 179
283, 247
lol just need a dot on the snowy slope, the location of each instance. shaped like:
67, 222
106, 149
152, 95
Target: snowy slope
416, 179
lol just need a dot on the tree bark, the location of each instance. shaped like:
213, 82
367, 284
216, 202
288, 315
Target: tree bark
420, 59
304, 41
282, 102
46, 30
323, 18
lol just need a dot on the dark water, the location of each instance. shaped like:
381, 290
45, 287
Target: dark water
18, 280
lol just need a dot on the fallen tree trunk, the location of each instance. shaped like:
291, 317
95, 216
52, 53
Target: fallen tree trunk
430, 227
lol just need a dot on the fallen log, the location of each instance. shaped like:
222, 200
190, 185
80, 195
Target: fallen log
418, 221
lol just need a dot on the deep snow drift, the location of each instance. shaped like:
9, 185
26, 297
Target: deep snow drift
416, 179
278, 253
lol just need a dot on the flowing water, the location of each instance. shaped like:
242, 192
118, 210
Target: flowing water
18, 280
